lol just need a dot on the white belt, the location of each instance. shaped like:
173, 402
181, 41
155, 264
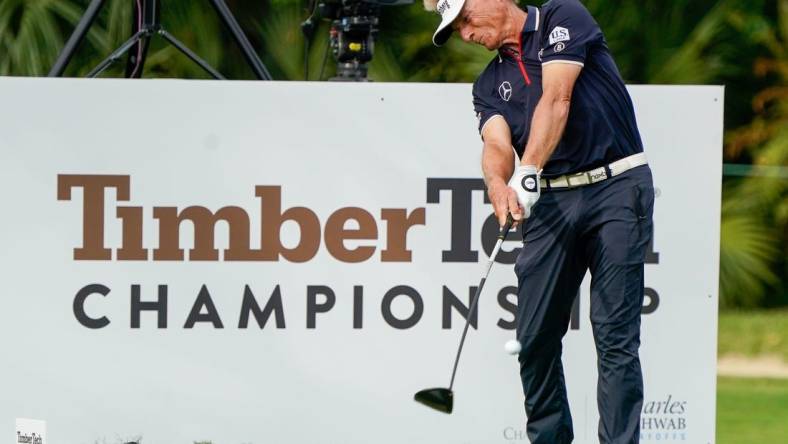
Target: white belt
595, 175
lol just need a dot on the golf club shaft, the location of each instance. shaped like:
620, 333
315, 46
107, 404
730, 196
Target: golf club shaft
501, 236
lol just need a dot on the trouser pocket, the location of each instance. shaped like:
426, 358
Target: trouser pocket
643, 207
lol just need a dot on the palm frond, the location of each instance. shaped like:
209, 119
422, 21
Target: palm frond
746, 255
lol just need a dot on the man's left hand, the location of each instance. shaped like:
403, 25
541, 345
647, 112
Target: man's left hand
525, 182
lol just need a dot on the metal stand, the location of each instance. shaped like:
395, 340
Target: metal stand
145, 28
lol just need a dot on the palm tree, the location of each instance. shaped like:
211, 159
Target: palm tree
31, 34
759, 204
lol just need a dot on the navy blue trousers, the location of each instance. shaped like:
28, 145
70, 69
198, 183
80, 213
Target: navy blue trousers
605, 227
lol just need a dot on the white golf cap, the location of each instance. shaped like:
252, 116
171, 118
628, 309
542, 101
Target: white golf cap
449, 10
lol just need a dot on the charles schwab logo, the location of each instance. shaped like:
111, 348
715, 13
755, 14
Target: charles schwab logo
664, 420
515, 434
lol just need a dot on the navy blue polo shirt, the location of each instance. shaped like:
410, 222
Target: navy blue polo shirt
601, 126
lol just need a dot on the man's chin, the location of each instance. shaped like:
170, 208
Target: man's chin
490, 46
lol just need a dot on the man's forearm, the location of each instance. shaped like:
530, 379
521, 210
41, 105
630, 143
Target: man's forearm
497, 163
547, 127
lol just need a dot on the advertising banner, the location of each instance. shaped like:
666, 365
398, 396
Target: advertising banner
270, 262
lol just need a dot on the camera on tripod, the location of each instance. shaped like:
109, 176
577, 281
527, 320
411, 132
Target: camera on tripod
354, 27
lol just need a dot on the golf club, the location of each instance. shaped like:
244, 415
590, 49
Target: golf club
442, 399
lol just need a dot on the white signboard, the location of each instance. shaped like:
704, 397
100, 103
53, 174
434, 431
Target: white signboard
256, 262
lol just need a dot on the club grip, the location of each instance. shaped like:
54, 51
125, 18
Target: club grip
506, 227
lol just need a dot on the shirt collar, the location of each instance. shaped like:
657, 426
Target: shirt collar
532, 21
531, 24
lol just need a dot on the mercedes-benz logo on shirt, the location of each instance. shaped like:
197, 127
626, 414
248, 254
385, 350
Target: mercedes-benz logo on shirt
505, 90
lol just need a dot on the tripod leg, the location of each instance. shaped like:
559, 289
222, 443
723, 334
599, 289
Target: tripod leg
191, 55
144, 14
76, 38
240, 39
115, 56
137, 55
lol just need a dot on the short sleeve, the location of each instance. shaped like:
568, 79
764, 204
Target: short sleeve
481, 105
569, 31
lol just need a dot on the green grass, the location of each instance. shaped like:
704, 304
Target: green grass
751, 411
753, 333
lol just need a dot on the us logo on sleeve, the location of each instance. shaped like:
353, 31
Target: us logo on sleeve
559, 34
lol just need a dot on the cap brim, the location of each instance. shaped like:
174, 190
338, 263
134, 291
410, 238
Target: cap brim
444, 30
442, 35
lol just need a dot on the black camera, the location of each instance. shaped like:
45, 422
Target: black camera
354, 27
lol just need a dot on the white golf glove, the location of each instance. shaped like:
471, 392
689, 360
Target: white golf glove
525, 182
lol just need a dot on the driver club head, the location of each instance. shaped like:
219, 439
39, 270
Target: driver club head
441, 399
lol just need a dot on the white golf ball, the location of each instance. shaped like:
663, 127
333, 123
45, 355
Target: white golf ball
512, 347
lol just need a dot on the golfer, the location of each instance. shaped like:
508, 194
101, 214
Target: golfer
581, 187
